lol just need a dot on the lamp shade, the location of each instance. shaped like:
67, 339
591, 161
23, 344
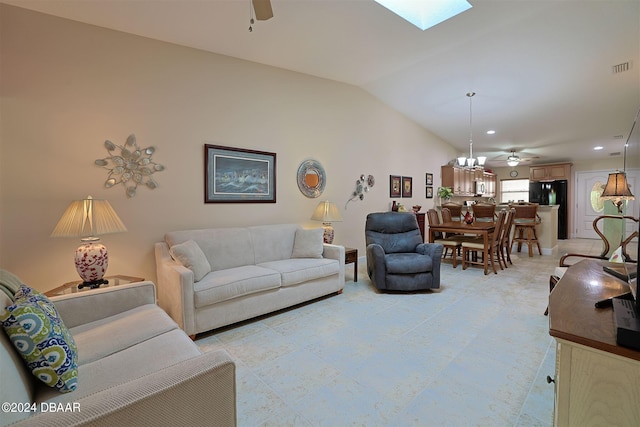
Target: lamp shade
617, 187
88, 217
326, 212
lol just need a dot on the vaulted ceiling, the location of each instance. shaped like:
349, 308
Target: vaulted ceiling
543, 71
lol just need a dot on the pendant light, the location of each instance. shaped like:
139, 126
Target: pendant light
470, 162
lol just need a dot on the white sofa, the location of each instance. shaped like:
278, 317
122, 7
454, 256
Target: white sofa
135, 367
233, 274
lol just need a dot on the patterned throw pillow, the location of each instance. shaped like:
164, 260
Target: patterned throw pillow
44, 342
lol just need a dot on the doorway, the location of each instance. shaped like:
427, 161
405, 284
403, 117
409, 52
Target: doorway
589, 204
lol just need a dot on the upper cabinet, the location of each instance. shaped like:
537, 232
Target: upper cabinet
469, 182
553, 172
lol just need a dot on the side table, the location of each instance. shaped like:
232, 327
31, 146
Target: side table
72, 287
351, 256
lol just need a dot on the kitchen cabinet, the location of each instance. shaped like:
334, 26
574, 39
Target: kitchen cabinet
463, 181
553, 172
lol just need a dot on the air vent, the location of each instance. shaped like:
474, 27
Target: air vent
617, 153
618, 136
621, 68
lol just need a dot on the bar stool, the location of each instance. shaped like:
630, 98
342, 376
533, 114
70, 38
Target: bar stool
525, 220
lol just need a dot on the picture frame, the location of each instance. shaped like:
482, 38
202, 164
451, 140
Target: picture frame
237, 175
429, 193
429, 178
407, 186
395, 186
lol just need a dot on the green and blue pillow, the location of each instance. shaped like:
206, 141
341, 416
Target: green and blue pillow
36, 330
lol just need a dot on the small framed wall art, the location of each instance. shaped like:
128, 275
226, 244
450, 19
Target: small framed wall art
429, 194
407, 186
236, 175
429, 179
395, 186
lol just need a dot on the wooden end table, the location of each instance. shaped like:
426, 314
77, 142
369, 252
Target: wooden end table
351, 256
72, 287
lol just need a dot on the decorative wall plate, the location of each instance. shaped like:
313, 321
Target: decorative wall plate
311, 178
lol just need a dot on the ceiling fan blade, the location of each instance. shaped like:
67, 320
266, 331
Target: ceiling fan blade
262, 9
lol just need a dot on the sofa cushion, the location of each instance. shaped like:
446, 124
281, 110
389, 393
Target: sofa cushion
272, 242
232, 283
299, 270
44, 342
223, 247
142, 359
308, 243
191, 256
408, 263
112, 334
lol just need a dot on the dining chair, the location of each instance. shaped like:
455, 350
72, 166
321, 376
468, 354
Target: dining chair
484, 212
490, 253
449, 244
506, 241
525, 220
455, 209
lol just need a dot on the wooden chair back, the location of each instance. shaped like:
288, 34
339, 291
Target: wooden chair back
455, 209
483, 212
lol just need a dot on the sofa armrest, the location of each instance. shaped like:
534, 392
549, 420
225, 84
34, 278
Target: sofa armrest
175, 289
84, 307
198, 391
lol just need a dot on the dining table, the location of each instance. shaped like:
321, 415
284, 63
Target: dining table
479, 228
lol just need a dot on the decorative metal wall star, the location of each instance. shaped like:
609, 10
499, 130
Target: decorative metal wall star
130, 167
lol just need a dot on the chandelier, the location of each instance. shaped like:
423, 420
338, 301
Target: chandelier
470, 162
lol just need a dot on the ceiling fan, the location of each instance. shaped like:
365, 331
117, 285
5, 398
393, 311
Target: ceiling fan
263, 10
512, 159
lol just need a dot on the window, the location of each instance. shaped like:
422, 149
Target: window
513, 190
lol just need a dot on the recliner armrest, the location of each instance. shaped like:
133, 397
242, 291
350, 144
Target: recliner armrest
84, 307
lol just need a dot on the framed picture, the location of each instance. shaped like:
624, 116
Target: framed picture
429, 179
236, 175
407, 184
429, 193
395, 186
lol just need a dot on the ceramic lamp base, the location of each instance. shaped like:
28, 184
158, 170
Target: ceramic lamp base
328, 233
91, 262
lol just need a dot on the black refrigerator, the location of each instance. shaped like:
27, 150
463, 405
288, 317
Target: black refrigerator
552, 193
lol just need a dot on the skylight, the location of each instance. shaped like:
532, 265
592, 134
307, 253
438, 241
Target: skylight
425, 13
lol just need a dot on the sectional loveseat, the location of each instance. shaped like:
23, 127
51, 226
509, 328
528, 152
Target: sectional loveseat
209, 278
134, 365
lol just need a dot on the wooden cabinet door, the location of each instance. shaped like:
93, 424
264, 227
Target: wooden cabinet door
537, 173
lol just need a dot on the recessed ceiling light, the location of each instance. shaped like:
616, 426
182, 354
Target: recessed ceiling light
599, 147
425, 14
491, 132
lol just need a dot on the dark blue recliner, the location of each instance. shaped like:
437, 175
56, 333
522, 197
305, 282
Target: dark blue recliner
397, 257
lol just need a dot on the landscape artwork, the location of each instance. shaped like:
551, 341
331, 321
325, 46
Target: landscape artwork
235, 175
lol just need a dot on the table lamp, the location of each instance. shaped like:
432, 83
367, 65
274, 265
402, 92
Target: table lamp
327, 212
617, 189
87, 219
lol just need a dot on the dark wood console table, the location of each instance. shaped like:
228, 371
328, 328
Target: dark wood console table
597, 381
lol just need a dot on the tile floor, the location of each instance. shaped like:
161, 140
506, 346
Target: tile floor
476, 352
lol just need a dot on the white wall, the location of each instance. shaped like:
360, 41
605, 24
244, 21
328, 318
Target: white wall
67, 86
